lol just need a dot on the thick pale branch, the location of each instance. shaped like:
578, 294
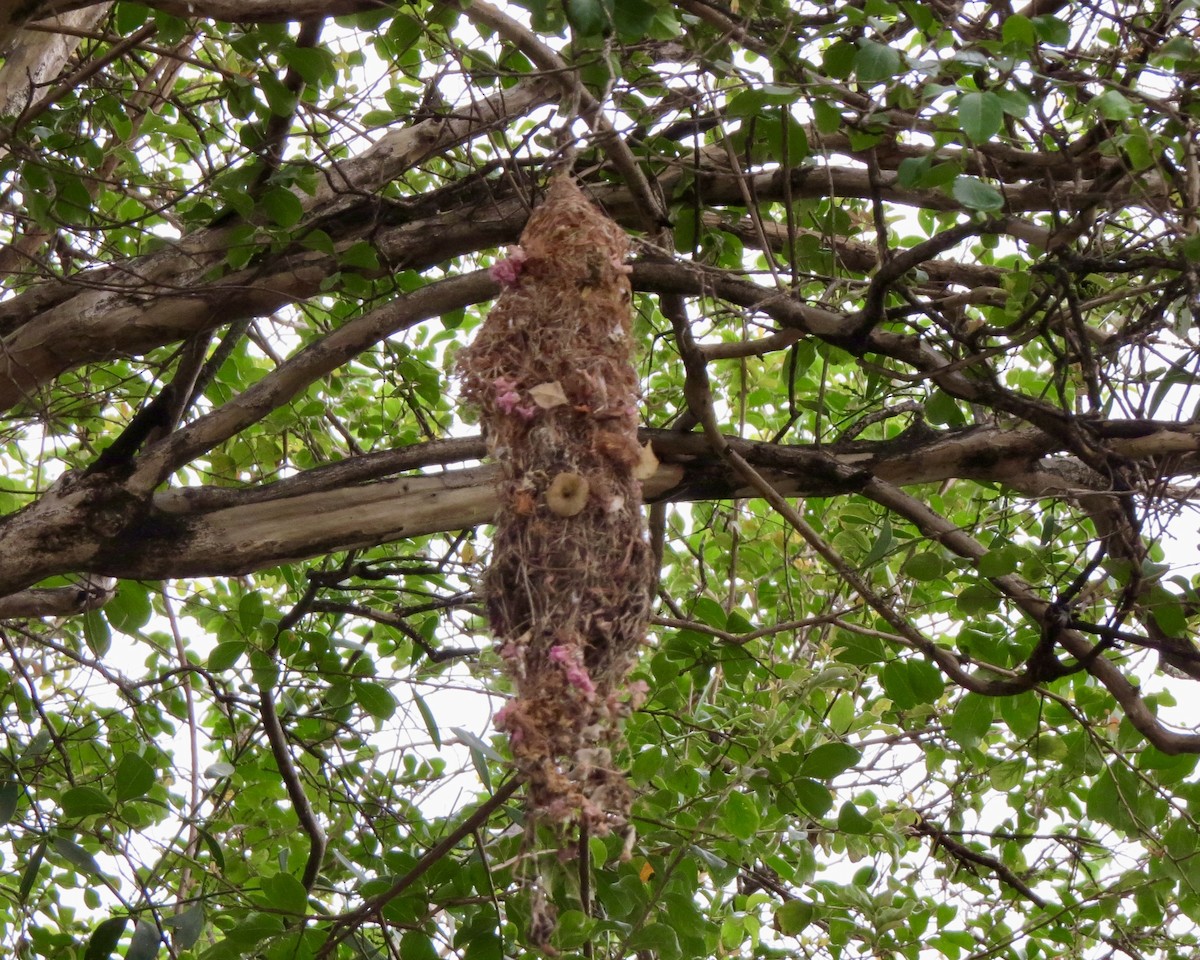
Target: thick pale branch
219, 532
13, 13
135, 306
311, 363
163, 297
91, 594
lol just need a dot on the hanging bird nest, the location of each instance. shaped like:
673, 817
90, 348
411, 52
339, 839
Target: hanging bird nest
569, 584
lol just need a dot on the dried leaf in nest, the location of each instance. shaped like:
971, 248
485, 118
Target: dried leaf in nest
548, 395
567, 494
647, 465
568, 588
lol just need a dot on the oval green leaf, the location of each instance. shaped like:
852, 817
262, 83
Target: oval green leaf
740, 816
284, 892
146, 941
104, 938
980, 115
84, 802
976, 195
876, 62
828, 760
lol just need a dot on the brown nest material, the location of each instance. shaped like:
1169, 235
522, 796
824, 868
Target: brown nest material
569, 584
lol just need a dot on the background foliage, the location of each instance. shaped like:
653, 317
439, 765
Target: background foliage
916, 290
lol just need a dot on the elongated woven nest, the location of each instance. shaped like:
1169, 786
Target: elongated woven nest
569, 584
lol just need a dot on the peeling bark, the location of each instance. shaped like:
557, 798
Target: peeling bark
166, 296
95, 525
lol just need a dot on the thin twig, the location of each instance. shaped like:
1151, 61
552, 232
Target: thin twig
345, 924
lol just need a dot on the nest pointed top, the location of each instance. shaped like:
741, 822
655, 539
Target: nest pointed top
567, 227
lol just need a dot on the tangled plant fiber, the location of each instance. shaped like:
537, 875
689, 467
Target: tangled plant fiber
569, 583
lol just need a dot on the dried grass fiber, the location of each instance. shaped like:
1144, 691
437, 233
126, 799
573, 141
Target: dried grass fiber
569, 584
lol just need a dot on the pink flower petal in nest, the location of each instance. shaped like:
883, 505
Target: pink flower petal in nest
508, 271
508, 401
639, 691
578, 677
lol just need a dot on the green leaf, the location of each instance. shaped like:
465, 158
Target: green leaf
214, 848
29, 874
896, 685
10, 797
838, 61
876, 62
104, 938
187, 925
709, 612
686, 229
134, 777
998, 563
84, 802
827, 117
75, 855
415, 945
634, 19
814, 797
971, 720
127, 17
589, 18
280, 99
574, 929
1112, 105
313, 64
980, 115
361, 256
882, 544
737, 623
1019, 31
1169, 613
475, 743
943, 409
282, 206
850, 820
375, 699
96, 633
429, 720
925, 566
793, 917
926, 681
740, 816
827, 760
977, 599
1052, 30
1111, 800
656, 937
856, 649
264, 669
976, 195
1008, 774
225, 655
250, 611
130, 609
254, 929
146, 942
484, 945
284, 892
